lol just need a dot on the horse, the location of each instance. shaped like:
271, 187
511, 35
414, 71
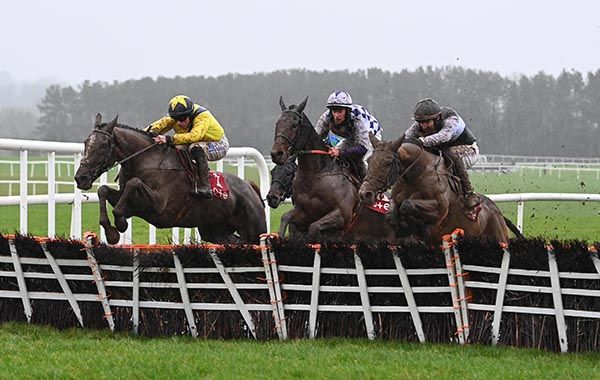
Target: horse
426, 202
154, 186
324, 193
368, 224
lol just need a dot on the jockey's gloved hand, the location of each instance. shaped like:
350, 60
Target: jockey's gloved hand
164, 139
334, 152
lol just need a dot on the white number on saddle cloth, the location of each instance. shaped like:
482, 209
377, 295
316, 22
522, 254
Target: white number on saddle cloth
381, 204
218, 185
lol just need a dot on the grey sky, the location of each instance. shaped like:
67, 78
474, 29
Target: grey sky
119, 39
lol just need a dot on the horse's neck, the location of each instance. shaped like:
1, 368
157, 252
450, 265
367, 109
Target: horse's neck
128, 142
313, 163
426, 173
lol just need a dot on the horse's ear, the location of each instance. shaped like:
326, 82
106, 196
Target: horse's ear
282, 104
396, 144
374, 141
112, 124
301, 106
98, 120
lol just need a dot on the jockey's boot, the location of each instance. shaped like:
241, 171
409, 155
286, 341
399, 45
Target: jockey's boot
470, 199
359, 168
201, 186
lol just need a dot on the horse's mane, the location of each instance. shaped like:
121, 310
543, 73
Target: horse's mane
125, 126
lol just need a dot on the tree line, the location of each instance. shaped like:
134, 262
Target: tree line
538, 115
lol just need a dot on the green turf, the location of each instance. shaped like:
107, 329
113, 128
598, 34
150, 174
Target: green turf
42, 352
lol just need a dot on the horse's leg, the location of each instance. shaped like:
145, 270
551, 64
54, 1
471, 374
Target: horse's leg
331, 221
431, 211
285, 221
292, 218
106, 193
133, 187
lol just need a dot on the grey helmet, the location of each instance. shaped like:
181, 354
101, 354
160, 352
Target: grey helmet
426, 109
339, 99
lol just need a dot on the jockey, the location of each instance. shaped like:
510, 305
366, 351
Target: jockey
196, 129
345, 127
443, 128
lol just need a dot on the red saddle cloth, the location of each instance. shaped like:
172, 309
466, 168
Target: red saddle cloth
218, 185
381, 204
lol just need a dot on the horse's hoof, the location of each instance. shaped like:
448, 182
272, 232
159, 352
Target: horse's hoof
112, 235
121, 224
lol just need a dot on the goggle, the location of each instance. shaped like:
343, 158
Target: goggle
180, 117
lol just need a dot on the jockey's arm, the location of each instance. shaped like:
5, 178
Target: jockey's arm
412, 131
161, 125
205, 128
362, 142
353, 151
451, 130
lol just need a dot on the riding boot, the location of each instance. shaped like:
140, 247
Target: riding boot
201, 186
470, 199
360, 168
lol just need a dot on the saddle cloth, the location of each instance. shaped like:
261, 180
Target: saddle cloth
381, 204
218, 185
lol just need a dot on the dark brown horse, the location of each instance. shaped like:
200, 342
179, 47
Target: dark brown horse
323, 192
368, 224
153, 185
425, 195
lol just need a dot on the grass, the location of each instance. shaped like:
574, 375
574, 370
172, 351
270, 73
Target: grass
43, 352
563, 220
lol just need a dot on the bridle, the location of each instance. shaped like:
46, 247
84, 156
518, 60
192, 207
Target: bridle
106, 163
291, 142
395, 171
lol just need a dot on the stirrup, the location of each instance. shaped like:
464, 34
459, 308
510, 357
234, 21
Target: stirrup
204, 193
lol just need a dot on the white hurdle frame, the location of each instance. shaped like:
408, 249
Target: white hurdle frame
456, 288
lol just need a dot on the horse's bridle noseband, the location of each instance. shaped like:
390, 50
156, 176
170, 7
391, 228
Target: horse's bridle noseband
105, 164
291, 142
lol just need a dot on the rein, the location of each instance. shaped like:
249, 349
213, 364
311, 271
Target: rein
133, 155
314, 151
402, 175
105, 165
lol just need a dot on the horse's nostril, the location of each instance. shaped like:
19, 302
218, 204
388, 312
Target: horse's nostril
366, 196
276, 156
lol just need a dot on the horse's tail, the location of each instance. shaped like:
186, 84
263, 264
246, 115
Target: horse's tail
511, 226
257, 190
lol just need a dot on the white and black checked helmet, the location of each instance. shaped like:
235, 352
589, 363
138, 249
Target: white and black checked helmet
339, 99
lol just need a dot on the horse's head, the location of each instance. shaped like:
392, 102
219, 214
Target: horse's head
98, 154
383, 169
282, 177
288, 131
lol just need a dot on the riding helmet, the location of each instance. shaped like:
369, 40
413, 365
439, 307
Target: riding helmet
339, 99
180, 107
426, 109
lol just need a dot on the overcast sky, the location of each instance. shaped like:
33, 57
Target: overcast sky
71, 41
